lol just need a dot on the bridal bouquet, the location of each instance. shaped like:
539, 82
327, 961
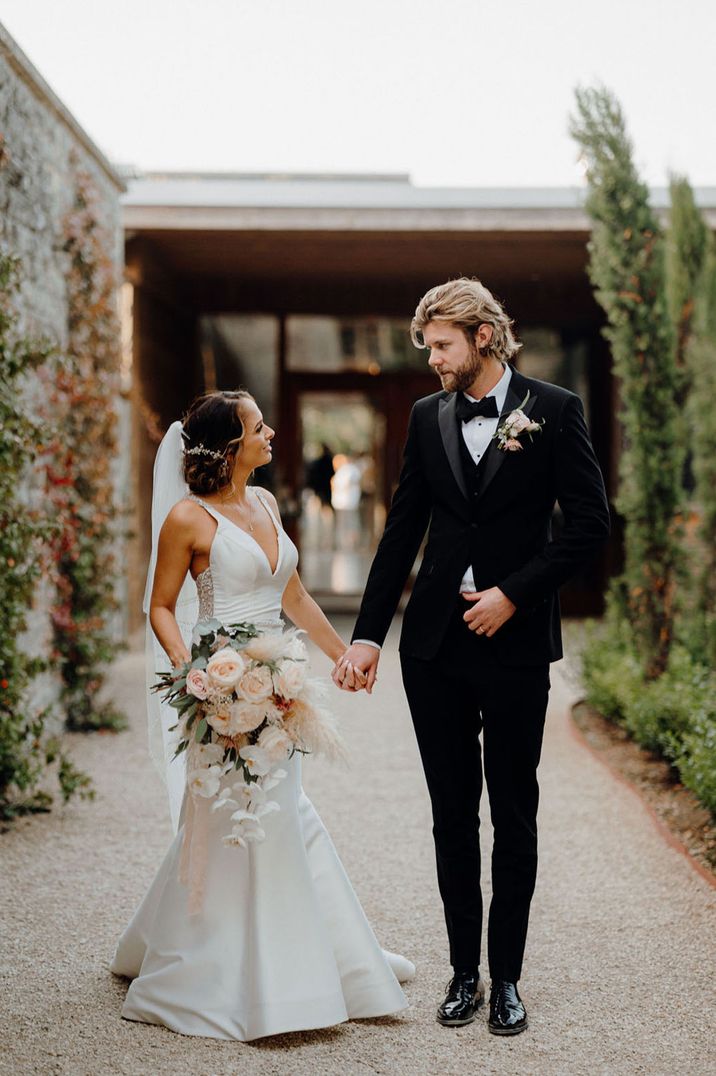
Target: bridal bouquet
245, 705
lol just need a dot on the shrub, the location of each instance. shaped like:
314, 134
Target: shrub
664, 711
674, 716
697, 761
611, 672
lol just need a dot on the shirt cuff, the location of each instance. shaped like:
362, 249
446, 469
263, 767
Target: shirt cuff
368, 642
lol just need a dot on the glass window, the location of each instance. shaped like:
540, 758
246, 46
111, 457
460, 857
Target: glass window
240, 351
365, 344
544, 355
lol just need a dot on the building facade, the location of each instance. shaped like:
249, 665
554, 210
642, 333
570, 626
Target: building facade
43, 147
301, 288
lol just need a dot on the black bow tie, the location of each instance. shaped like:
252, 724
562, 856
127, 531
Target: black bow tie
467, 409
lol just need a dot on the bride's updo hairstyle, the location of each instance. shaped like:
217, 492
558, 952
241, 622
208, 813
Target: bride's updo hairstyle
212, 431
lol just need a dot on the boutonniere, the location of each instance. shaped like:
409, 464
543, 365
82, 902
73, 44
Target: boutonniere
514, 426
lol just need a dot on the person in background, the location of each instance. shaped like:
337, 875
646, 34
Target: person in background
345, 498
319, 474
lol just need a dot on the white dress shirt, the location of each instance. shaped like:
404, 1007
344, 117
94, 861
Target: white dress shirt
477, 434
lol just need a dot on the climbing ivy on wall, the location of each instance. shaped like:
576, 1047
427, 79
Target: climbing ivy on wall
80, 477
26, 748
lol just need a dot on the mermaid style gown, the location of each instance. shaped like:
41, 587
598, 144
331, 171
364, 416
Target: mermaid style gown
281, 942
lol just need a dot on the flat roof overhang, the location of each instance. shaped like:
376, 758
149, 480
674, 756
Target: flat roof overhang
371, 246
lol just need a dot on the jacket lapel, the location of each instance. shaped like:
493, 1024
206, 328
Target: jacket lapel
447, 421
496, 457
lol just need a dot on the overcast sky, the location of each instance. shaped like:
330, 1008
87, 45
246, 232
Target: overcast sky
453, 92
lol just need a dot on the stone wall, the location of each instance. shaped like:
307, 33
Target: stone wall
40, 138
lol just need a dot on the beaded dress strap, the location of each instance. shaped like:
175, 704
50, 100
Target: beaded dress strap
268, 508
212, 511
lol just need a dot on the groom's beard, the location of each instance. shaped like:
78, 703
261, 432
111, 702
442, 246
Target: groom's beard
465, 375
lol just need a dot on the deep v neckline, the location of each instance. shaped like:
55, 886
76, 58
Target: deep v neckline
251, 538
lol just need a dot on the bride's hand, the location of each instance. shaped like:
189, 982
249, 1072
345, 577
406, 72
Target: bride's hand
357, 668
348, 676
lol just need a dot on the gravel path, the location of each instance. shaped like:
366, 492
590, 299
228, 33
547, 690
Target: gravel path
621, 952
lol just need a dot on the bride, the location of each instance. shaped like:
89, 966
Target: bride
279, 941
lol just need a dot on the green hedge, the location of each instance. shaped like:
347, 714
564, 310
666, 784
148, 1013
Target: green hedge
674, 716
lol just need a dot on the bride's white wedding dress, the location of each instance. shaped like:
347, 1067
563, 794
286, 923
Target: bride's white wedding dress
281, 942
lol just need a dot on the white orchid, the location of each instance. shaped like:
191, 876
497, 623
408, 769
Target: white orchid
205, 781
274, 778
207, 754
242, 815
256, 760
266, 808
224, 799
255, 792
242, 835
248, 794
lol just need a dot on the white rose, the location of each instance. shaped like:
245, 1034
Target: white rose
290, 678
256, 684
220, 720
225, 668
518, 422
246, 716
276, 742
268, 647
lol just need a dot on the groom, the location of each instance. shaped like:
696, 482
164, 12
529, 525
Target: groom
482, 623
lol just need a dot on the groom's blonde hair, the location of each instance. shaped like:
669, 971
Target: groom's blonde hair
467, 303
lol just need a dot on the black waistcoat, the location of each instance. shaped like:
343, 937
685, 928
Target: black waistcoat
472, 473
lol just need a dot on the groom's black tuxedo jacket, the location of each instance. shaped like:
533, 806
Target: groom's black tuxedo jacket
499, 520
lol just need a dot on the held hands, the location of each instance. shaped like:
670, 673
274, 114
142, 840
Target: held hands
491, 610
357, 668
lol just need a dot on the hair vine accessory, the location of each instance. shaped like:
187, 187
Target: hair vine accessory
201, 450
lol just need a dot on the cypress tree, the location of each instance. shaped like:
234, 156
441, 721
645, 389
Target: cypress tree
627, 270
701, 413
686, 247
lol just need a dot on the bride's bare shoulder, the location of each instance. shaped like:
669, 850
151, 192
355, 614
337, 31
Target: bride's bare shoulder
186, 516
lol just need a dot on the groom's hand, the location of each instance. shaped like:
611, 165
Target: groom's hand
490, 611
357, 668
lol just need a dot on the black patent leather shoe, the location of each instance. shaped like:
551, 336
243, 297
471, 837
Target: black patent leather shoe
465, 994
507, 1013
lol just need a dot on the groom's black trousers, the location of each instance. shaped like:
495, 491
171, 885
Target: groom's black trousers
452, 698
